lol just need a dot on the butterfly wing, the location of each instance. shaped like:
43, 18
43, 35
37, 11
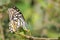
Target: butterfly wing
16, 19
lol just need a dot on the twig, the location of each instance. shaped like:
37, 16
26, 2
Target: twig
36, 38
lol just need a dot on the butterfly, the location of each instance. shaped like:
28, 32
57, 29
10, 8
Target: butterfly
16, 19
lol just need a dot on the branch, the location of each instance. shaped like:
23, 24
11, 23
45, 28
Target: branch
36, 38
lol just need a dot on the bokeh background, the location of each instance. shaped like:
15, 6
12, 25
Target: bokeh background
42, 17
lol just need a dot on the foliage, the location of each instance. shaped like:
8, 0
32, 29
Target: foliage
43, 13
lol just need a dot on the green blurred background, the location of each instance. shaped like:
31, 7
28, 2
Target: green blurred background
42, 17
